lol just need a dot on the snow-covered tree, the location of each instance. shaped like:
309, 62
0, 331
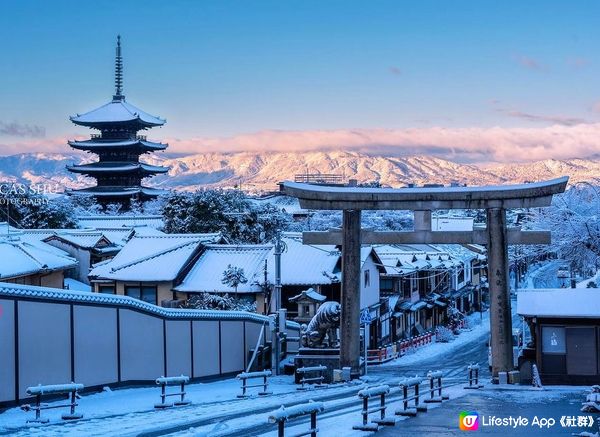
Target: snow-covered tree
574, 220
208, 301
224, 211
233, 276
29, 210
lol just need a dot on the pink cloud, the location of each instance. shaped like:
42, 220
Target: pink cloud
495, 144
474, 144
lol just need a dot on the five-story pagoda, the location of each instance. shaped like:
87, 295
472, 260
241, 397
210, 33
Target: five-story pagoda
118, 171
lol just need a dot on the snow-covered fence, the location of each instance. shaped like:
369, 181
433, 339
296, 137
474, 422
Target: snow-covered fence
317, 379
373, 392
433, 377
112, 340
56, 389
283, 414
180, 381
473, 377
245, 376
405, 385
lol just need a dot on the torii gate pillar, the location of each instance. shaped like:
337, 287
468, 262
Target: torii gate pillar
351, 267
495, 200
500, 311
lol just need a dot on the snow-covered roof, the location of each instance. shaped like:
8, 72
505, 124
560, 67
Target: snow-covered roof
207, 273
74, 284
559, 302
305, 264
458, 251
22, 258
110, 166
310, 294
5, 228
446, 223
84, 239
120, 221
286, 204
104, 144
121, 191
151, 257
396, 260
29, 291
117, 111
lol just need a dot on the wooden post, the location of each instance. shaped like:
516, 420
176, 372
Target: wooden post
350, 299
500, 314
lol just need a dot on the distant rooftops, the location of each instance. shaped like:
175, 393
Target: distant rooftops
120, 221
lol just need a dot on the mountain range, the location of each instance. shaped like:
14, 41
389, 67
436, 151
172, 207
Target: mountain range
262, 171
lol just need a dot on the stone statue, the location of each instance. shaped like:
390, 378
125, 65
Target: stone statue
324, 323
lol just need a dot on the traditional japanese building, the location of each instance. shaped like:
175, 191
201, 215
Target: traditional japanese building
118, 171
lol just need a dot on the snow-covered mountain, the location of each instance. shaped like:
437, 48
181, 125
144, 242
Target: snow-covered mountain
261, 171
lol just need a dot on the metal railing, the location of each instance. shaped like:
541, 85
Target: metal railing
245, 376
380, 392
317, 380
57, 389
164, 382
285, 414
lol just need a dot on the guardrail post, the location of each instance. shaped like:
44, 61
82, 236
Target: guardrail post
284, 414
473, 377
364, 395
433, 377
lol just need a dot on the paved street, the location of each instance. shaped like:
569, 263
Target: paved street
443, 421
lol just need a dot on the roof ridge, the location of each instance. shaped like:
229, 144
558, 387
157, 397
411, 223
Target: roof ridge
152, 256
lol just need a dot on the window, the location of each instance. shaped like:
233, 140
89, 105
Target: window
305, 310
553, 340
386, 285
367, 278
147, 293
107, 289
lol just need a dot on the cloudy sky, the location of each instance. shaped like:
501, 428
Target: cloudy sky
471, 81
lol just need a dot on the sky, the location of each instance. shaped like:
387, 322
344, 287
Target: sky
470, 81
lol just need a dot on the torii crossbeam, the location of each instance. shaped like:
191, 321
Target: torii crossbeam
496, 236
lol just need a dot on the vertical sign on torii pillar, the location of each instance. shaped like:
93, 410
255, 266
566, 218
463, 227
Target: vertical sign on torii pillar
494, 199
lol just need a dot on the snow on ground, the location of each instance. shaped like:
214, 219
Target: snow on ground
584, 283
132, 410
481, 328
337, 419
74, 284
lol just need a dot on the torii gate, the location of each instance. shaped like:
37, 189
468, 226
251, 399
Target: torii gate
494, 199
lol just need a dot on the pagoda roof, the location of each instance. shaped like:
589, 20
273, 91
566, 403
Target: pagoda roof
114, 166
96, 143
115, 191
117, 111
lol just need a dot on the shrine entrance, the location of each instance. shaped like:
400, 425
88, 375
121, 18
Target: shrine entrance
496, 237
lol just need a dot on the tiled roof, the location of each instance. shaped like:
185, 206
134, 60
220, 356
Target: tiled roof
120, 221
21, 258
207, 273
151, 257
305, 264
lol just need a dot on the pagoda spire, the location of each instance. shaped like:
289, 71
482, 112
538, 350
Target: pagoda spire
118, 72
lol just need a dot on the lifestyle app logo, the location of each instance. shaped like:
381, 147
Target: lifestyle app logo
468, 421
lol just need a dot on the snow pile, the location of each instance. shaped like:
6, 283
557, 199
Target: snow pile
295, 411
443, 334
592, 401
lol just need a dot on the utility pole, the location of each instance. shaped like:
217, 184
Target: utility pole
276, 303
277, 288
